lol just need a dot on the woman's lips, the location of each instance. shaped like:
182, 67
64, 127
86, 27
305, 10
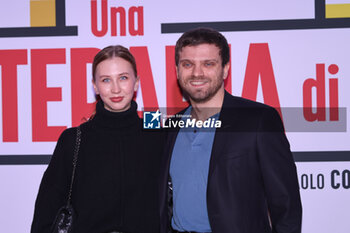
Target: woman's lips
116, 99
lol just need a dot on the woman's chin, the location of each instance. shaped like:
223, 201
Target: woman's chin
117, 107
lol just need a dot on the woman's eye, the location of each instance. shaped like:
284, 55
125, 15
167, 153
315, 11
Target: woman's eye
105, 80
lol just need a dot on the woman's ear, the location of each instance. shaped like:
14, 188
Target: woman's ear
95, 87
136, 85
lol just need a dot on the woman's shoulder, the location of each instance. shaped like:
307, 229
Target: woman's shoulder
72, 131
70, 134
67, 134
66, 140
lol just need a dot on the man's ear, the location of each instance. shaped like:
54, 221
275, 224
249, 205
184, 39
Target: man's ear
177, 72
226, 69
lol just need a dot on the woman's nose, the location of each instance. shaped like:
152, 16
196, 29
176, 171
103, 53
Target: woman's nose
115, 87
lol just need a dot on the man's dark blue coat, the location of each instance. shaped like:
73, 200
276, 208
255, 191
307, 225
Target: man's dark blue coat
252, 180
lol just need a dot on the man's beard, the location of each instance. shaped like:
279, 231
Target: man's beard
202, 96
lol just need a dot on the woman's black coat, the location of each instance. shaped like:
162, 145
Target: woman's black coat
115, 186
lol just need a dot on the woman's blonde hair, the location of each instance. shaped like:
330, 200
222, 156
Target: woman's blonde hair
110, 52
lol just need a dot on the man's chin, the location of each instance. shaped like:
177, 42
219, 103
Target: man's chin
200, 98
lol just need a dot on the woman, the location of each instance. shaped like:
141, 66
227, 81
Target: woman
115, 184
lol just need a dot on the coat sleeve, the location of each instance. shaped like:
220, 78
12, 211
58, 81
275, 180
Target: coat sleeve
53, 191
279, 174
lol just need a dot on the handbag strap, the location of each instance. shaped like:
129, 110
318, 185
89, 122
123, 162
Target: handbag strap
75, 159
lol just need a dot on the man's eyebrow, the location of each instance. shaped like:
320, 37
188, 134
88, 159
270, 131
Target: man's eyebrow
185, 59
206, 60
214, 59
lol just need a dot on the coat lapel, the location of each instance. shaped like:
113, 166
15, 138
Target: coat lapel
227, 117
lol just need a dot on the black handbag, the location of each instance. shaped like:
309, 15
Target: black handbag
65, 216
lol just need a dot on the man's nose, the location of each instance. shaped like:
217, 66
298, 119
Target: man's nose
197, 71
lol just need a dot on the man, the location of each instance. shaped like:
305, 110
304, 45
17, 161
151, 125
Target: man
237, 178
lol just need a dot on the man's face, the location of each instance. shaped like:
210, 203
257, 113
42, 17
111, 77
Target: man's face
200, 73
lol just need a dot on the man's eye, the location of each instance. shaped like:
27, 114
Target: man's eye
187, 65
208, 64
123, 77
105, 80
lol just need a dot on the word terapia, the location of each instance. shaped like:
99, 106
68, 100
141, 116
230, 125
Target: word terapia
259, 69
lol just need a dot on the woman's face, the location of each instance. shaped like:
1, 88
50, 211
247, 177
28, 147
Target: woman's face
116, 83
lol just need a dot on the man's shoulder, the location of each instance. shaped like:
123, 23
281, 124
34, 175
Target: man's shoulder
247, 112
240, 102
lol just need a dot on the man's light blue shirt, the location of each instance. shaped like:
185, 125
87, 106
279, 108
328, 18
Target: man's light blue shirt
189, 170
